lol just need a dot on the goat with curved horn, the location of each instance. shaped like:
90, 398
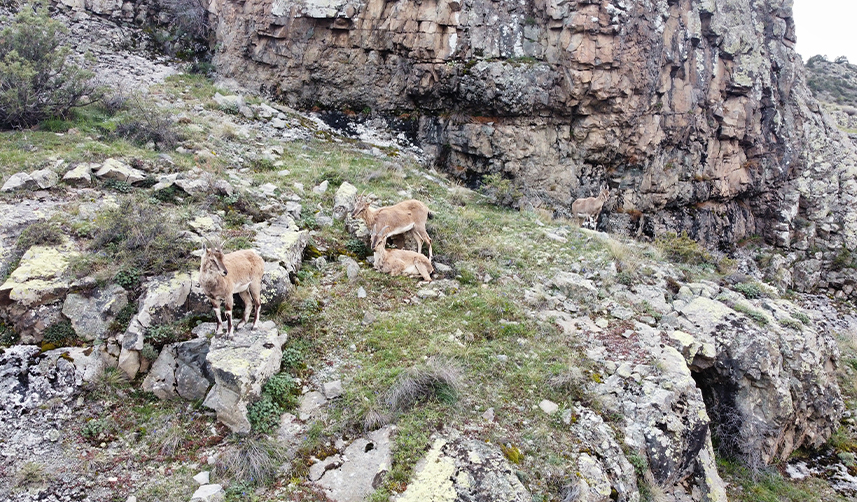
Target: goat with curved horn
406, 216
223, 275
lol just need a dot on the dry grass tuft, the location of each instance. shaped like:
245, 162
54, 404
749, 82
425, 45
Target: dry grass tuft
440, 379
251, 460
375, 419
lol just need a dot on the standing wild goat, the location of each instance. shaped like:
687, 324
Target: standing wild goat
590, 207
399, 261
223, 275
406, 216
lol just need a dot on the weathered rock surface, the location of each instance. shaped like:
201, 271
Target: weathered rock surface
771, 389
354, 474
113, 169
91, 315
19, 181
240, 367
163, 303
282, 242
181, 370
696, 113
30, 299
464, 469
79, 175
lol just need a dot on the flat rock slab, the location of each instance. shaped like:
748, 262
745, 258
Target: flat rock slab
91, 315
240, 367
362, 468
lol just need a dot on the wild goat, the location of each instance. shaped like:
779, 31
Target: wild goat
590, 207
406, 216
399, 261
223, 275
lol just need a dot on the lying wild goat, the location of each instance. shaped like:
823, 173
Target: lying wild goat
590, 207
399, 261
223, 275
406, 216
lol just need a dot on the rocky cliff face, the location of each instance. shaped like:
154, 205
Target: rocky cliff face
695, 113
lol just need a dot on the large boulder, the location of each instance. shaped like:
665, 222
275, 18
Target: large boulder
162, 303
80, 175
281, 242
343, 200
113, 169
181, 371
240, 367
769, 384
19, 181
29, 297
30, 378
45, 178
357, 472
91, 315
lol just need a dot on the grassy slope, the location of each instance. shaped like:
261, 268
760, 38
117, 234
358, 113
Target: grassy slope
496, 253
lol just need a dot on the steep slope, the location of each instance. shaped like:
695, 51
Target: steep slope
696, 113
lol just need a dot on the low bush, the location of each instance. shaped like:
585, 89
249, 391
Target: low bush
60, 334
682, 249
253, 461
37, 78
141, 237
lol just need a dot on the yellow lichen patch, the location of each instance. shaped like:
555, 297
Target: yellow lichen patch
434, 482
40, 275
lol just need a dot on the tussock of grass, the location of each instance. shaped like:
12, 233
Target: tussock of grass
251, 460
439, 379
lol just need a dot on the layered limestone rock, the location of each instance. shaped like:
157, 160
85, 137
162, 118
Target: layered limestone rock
696, 113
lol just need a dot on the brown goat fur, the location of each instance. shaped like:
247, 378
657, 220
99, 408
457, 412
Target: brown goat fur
590, 207
406, 216
223, 275
400, 261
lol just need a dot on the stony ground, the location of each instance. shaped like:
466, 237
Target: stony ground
526, 371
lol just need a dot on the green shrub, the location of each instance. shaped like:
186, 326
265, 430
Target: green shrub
500, 190
128, 277
60, 334
162, 334
146, 123
142, 237
282, 388
757, 317
8, 336
40, 233
682, 249
749, 290
800, 316
123, 318
98, 429
264, 415
37, 79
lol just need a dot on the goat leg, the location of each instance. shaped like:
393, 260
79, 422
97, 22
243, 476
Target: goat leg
229, 323
216, 305
245, 297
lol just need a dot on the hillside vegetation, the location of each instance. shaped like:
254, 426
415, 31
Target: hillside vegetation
531, 341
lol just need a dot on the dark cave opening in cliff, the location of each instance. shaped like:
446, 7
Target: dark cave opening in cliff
719, 398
